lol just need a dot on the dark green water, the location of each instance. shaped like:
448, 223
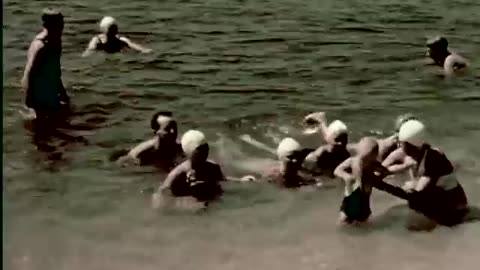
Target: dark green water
229, 68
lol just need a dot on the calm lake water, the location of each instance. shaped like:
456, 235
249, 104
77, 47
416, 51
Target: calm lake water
231, 68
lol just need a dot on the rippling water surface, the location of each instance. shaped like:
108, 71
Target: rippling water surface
232, 68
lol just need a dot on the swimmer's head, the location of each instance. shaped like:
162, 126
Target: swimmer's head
412, 133
437, 49
337, 133
53, 20
287, 148
402, 119
195, 146
367, 148
164, 126
108, 25
437, 43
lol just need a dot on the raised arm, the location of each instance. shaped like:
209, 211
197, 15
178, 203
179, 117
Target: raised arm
92, 46
163, 190
135, 46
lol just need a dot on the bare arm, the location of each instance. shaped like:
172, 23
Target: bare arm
398, 162
310, 161
137, 150
31, 65
342, 170
92, 46
135, 46
321, 119
173, 176
158, 198
422, 183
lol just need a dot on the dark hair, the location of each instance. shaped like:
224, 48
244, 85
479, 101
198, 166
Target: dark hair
153, 122
51, 17
437, 43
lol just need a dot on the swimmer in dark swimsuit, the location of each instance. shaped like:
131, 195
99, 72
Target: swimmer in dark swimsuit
361, 173
441, 56
196, 177
109, 41
326, 158
289, 173
163, 150
436, 192
42, 79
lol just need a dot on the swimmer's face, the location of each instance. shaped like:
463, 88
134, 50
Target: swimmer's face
341, 140
293, 161
167, 128
200, 155
408, 148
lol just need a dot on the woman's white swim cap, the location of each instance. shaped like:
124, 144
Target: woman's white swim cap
106, 23
191, 140
412, 132
287, 147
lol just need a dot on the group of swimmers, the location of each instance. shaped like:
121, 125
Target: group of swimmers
432, 190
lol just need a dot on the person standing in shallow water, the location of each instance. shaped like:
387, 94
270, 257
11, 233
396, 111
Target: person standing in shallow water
42, 82
441, 56
435, 190
110, 41
361, 174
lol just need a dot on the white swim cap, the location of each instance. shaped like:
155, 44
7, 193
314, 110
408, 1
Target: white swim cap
191, 140
412, 132
105, 23
286, 147
335, 129
402, 119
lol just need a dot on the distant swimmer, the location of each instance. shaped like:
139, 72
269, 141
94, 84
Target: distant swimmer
42, 79
196, 177
327, 157
439, 53
162, 150
436, 192
110, 41
289, 172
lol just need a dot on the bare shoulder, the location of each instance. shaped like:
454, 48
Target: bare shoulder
37, 43
346, 163
455, 60
179, 169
